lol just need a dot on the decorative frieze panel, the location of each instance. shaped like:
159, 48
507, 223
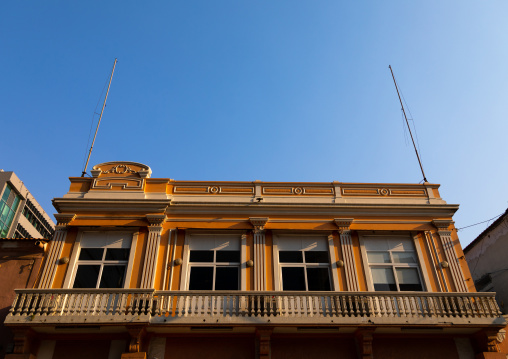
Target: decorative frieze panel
126, 175
382, 191
298, 190
213, 190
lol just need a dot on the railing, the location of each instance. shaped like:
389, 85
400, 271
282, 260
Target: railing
179, 307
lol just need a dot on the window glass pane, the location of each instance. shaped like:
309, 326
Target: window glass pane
117, 254
201, 278
316, 257
228, 256
201, 256
408, 279
290, 257
318, 279
404, 257
383, 279
226, 278
378, 257
112, 276
293, 278
6, 194
87, 276
91, 254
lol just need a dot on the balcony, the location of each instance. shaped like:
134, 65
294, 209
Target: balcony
179, 308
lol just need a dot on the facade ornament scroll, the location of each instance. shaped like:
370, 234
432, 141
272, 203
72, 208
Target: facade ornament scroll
63, 220
346, 242
152, 249
451, 255
259, 224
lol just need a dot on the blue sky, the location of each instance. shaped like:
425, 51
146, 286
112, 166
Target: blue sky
268, 90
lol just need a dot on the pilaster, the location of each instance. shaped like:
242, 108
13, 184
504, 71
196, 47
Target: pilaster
451, 255
55, 251
264, 338
259, 252
346, 242
152, 249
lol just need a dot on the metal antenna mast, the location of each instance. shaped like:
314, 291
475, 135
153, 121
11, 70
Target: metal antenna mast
407, 123
100, 117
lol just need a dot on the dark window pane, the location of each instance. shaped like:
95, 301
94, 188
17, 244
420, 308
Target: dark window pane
91, 254
86, 276
226, 278
201, 278
228, 256
201, 256
318, 279
112, 276
293, 278
117, 254
385, 287
411, 287
290, 257
316, 257
409, 280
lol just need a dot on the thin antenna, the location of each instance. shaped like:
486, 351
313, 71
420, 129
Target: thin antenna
100, 117
407, 122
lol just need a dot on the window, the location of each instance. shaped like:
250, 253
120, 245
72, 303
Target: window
304, 264
8, 206
393, 264
102, 260
214, 263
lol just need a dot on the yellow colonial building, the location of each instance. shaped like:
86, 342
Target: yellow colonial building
144, 267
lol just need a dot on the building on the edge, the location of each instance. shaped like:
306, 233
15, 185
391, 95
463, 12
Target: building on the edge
20, 214
486, 256
144, 267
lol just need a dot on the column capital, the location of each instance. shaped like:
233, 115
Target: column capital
63, 220
155, 220
259, 223
442, 224
343, 224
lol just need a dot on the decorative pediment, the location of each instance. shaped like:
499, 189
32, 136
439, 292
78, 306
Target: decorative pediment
121, 174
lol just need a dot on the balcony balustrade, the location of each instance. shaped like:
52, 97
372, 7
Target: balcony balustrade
82, 306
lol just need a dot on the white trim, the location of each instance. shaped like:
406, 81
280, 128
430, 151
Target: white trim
238, 234
421, 260
346, 242
333, 262
243, 263
334, 286
422, 271
72, 268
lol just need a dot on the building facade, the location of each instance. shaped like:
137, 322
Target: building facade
20, 214
153, 267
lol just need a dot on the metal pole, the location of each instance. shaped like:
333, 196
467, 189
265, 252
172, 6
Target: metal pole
100, 117
410, 133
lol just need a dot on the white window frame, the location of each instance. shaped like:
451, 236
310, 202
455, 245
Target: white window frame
332, 265
240, 236
420, 265
73, 262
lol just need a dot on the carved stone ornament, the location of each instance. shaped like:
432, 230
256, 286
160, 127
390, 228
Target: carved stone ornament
298, 190
258, 223
501, 335
384, 192
122, 168
343, 224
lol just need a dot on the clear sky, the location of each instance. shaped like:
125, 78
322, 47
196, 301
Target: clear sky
261, 90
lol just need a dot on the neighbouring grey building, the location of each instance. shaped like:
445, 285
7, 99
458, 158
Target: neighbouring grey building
487, 259
20, 214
